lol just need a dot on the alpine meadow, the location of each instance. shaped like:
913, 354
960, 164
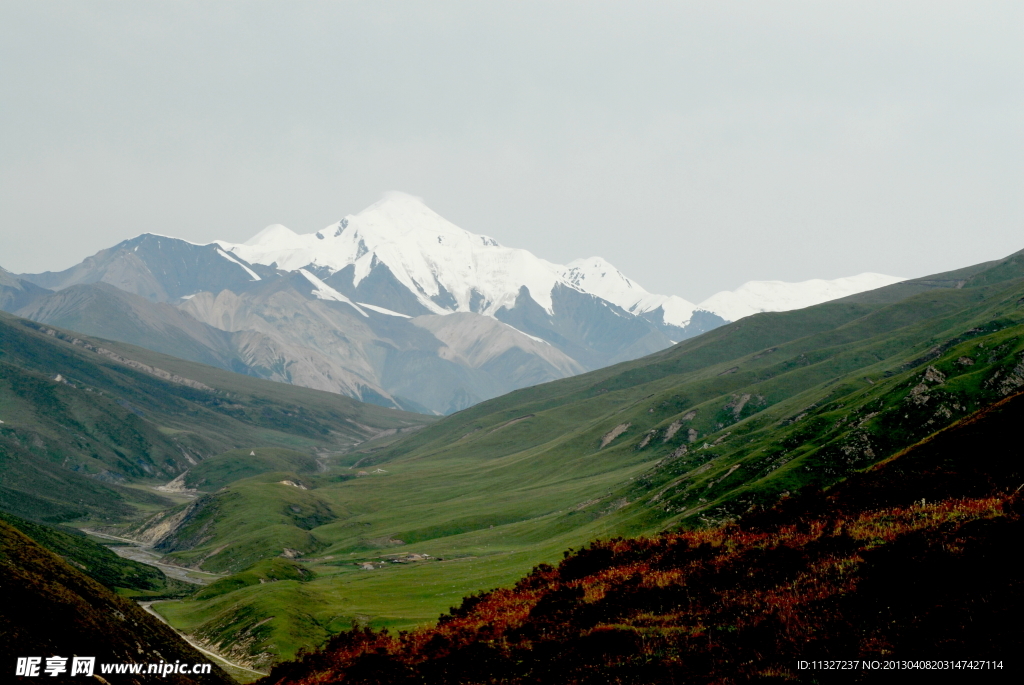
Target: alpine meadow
311, 517
537, 343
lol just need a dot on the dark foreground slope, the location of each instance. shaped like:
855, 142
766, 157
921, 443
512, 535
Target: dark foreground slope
50, 609
82, 420
915, 558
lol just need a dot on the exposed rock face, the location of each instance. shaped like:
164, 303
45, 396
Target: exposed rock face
281, 335
479, 340
671, 431
933, 375
295, 329
159, 528
614, 433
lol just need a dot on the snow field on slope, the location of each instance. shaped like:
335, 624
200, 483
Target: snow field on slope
778, 296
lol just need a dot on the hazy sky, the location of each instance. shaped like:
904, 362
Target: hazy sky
694, 145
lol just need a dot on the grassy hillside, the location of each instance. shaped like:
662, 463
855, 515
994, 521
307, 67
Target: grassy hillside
228, 467
693, 436
912, 559
84, 421
50, 608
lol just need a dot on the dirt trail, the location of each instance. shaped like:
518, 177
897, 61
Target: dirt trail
221, 661
141, 553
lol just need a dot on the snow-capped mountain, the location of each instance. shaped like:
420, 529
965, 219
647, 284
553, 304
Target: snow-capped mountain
394, 305
596, 276
445, 268
778, 296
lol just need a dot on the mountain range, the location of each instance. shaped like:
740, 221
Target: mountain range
395, 306
329, 513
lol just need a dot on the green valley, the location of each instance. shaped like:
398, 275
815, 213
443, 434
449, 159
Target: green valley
392, 534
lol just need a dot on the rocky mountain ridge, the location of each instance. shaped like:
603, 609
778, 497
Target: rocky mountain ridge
395, 306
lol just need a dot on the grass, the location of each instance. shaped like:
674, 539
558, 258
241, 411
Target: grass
775, 403
909, 559
263, 623
228, 467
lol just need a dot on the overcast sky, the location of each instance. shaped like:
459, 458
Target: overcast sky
694, 145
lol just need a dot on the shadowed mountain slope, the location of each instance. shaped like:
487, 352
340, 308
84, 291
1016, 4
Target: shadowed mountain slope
282, 329
52, 609
158, 268
107, 312
292, 327
92, 558
16, 292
